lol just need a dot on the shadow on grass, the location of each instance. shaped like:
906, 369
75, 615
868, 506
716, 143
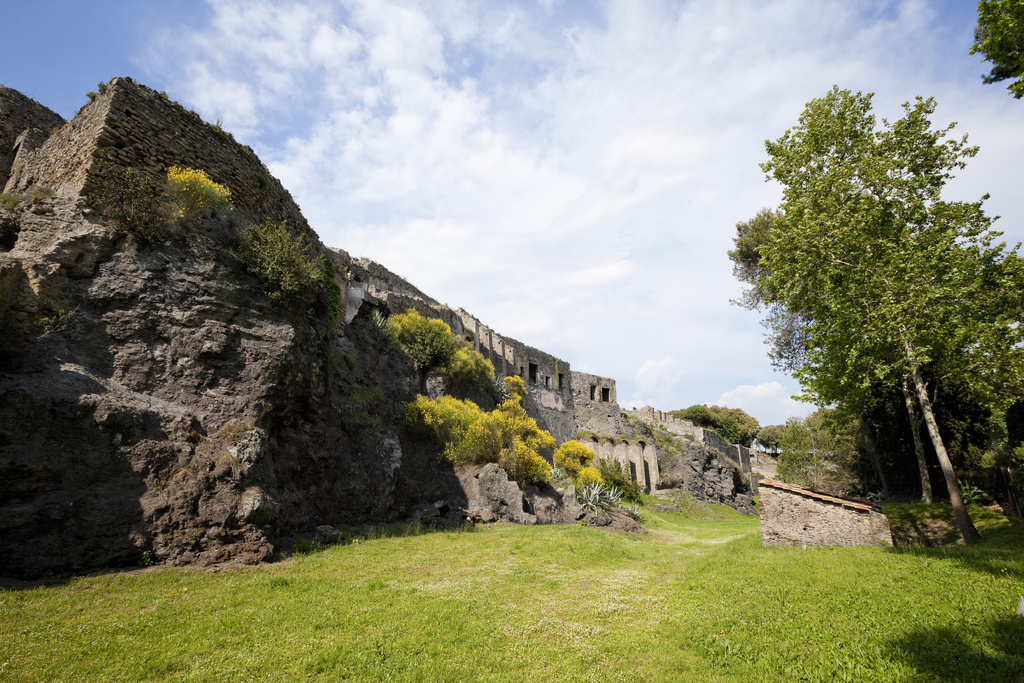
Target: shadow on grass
999, 553
949, 655
371, 532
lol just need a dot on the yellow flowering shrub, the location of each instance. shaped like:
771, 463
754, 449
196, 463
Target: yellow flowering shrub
469, 367
194, 193
471, 436
572, 456
588, 475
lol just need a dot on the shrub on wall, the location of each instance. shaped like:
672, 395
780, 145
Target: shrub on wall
428, 342
572, 456
194, 194
471, 436
281, 262
468, 368
130, 200
588, 476
614, 474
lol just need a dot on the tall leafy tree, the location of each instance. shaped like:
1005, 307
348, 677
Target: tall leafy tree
888, 276
1000, 37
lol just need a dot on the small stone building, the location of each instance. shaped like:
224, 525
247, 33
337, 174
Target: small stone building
792, 515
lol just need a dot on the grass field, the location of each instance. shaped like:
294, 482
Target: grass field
692, 600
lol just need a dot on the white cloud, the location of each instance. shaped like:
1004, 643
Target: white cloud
571, 173
769, 403
654, 383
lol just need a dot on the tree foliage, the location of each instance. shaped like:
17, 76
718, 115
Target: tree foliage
732, 424
888, 276
1000, 37
818, 451
769, 437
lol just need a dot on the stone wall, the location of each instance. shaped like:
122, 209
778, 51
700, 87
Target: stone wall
795, 516
136, 126
548, 384
595, 404
24, 125
636, 455
740, 455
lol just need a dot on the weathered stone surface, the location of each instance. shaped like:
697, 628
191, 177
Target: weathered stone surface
708, 476
598, 517
792, 515
20, 115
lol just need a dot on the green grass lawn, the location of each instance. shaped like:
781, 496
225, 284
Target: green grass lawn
692, 600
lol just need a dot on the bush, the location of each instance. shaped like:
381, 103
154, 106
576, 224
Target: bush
428, 342
972, 495
614, 474
573, 457
469, 368
194, 194
333, 290
129, 200
471, 436
281, 262
9, 201
588, 476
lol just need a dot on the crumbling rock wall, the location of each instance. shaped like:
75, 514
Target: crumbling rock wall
24, 126
707, 475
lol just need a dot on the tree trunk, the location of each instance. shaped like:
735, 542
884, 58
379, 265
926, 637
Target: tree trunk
869, 436
963, 520
915, 428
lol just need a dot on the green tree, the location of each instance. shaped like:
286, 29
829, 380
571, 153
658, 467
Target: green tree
769, 436
889, 276
428, 342
1000, 37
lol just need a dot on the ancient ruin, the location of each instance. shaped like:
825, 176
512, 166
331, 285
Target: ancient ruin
154, 400
796, 516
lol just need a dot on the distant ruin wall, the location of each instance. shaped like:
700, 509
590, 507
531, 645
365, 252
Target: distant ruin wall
548, 379
638, 457
20, 114
138, 127
792, 515
740, 455
595, 404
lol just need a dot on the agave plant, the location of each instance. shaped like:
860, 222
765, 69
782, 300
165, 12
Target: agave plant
557, 473
612, 496
591, 496
635, 511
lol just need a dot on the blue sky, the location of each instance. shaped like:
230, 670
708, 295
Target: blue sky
569, 172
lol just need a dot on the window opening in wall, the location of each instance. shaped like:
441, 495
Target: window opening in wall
547, 381
647, 478
520, 370
533, 372
632, 471
561, 379
606, 394
593, 391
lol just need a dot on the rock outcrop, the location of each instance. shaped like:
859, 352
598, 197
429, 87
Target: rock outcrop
708, 476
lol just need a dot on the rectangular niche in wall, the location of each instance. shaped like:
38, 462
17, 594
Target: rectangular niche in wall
561, 380
533, 372
593, 391
606, 394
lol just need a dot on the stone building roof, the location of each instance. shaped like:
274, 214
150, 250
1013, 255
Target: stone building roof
845, 501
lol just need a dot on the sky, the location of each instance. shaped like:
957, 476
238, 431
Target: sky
569, 172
